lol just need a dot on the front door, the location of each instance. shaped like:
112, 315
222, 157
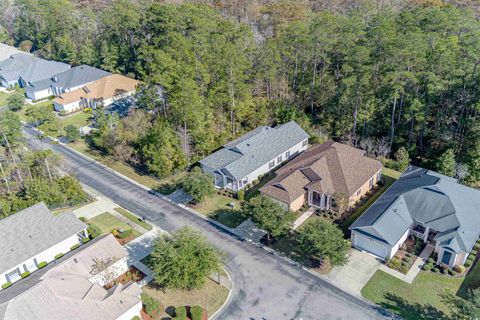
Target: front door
447, 255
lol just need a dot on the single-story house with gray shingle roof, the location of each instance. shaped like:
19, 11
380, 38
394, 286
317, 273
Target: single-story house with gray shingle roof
24, 68
71, 288
427, 205
39, 70
35, 235
243, 160
12, 68
65, 81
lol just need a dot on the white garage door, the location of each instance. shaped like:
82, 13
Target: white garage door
370, 245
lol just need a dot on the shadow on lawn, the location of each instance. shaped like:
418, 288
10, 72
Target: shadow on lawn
415, 311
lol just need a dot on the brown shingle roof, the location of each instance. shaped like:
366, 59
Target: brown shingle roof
105, 88
326, 168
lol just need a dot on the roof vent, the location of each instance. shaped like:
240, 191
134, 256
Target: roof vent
248, 144
76, 260
54, 79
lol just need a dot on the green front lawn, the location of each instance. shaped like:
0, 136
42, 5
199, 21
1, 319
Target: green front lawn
79, 119
107, 223
423, 299
3, 98
217, 207
389, 175
133, 218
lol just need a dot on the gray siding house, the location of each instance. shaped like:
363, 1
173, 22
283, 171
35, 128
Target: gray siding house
426, 205
65, 81
24, 69
243, 160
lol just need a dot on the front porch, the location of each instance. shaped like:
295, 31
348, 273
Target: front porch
319, 200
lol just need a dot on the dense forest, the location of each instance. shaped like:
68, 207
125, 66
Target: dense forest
396, 76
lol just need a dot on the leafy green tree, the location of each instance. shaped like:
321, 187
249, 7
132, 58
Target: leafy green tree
72, 133
465, 309
402, 158
321, 239
269, 215
16, 101
10, 128
198, 184
184, 260
446, 163
161, 150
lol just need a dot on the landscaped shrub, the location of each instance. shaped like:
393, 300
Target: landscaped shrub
83, 219
459, 268
150, 305
451, 272
85, 240
196, 313
25, 274
407, 259
394, 263
241, 195
136, 318
403, 269
435, 269
431, 260
476, 246
474, 252
403, 246
42, 264
181, 313
427, 267
58, 256
75, 246
467, 264
93, 231
6, 285
125, 234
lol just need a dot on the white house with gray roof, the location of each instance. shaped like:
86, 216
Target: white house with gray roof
423, 204
24, 68
70, 288
35, 235
261, 150
63, 82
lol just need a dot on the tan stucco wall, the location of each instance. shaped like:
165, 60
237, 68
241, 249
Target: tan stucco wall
363, 189
297, 203
460, 258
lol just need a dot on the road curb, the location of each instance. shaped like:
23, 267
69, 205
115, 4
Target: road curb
229, 297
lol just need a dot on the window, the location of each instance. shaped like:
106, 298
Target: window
287, 154
358, 192
379, 175
271, 164
279, 159
371, 183
304, 142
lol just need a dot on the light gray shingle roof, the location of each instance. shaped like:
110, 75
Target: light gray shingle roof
6, 51
12, 68
74, 77
242, 156
31, 231
65, 291
428, 197
42, 69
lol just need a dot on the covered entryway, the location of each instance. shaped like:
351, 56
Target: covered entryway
370, 245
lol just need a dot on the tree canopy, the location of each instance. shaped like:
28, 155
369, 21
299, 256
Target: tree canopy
322, 239
198, 184
269, 215
184, 260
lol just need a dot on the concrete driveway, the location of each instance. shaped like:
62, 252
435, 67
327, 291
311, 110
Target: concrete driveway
353, 276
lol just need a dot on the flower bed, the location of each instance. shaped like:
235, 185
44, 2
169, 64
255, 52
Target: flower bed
132, 275
406, 255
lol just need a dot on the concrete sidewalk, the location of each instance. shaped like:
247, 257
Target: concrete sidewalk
307, 214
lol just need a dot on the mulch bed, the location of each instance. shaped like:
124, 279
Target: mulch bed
124, 241
133, 274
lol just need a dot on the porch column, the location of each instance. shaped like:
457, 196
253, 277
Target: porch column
309, 197
328, 202
322, 201
425, 235
85, 233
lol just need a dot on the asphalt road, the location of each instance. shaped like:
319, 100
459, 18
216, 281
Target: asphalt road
265, 286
